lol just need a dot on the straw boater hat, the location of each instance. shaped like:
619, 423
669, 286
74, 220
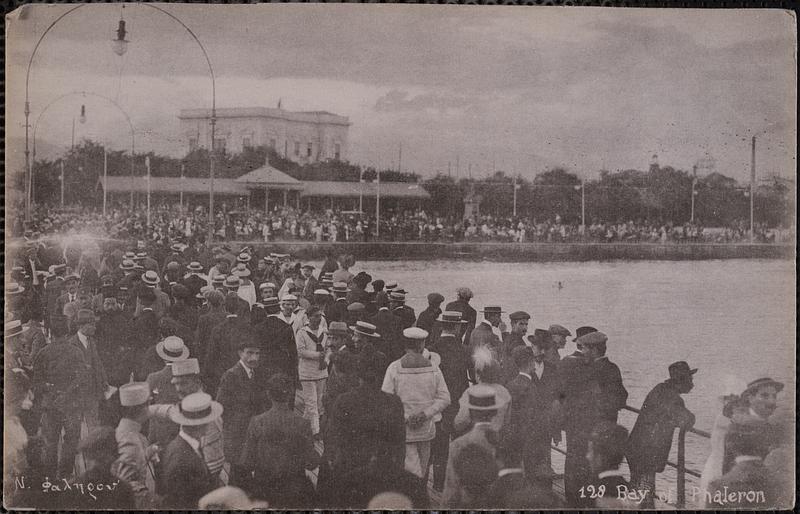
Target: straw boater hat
185, 367
176, 247
366, 329
172, 349
14, 288
244, 257
322, 292
203, 290
195, 266
339, 288
390, 286
356, 307
267, 285
196, 409
415, 333
129, 256
140, 256
450, 317
14, 328
150, 278
241, 270
289, 298
134, 393
482, 397
232, 281
493, 309
219, 279
398, 297
761, 382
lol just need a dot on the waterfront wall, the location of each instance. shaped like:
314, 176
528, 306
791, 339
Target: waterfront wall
529, 252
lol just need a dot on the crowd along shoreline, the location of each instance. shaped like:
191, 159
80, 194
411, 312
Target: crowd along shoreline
526, 252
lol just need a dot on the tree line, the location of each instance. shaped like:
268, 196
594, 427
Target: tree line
662, 193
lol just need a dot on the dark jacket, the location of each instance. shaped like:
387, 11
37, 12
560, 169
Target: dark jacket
406, 315
454, 364
241, 398
59, 371
468, 314
184, 478
162, 430
513, 491
223, 349
336, 310
613, 394
575, 390
194, 283
388, 326
278, 348
278, 450
205, 324
427, 321
367, 424
746, 476
145, 330
95, 380
663, 410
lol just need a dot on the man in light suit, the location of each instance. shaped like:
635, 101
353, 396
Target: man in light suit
487, 333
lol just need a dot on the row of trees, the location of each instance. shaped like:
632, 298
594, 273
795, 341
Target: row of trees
663, 193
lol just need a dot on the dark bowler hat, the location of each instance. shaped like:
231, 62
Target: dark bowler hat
493, 309
435, 299
540, 338
592, 338
582, 331
761, 382
680, 370
558, 330
519, 315
450, 317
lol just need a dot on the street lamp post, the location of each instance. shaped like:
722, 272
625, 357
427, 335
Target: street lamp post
83, 120
694, 184
752, 188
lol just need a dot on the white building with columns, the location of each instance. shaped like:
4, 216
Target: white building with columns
303, 137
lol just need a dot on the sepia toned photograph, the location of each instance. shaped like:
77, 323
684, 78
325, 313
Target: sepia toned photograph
399, 257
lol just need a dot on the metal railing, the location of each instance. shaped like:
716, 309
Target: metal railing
679, 466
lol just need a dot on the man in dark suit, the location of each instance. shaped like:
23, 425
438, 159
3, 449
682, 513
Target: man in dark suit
242, 395
278, 450
145, 332
519, 327
388, 326
59, 372
184, 477
53, 289
662, 412
278, 347
206, 322
605, 450
513, 490
194, 282
426, 318
454, 365
223, 347
612, 393
544, 429
367, 425
58, 320
468, 314
337, 309
170, 350
397, 304
93, 389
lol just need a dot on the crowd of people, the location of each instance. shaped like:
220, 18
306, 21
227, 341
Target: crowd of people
285, 223
144, 377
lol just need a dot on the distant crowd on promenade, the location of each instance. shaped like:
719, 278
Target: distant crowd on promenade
290, 224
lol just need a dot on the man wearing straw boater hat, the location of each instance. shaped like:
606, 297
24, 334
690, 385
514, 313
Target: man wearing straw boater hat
279, 351
337, 310
171, 349
483, 405
184, 477
151, 280
246, 290
454, 364
194, 280
136, 455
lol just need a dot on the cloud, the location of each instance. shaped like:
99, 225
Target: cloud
396, 100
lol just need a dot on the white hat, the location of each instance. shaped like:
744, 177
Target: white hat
14, 328
203, 290
172, 349
364, 328
289, 298
150, 278
266, 285
229, 498
185, 367
415, 333
134, 393
196, 409
241, 270
322, 292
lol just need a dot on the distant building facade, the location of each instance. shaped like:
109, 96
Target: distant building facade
303, 137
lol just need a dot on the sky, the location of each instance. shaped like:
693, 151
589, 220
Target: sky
464, 88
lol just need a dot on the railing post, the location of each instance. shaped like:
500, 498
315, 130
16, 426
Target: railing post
681, 468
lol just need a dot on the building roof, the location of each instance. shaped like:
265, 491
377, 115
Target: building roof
175, 185
354, 189
268, 176
266, 112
